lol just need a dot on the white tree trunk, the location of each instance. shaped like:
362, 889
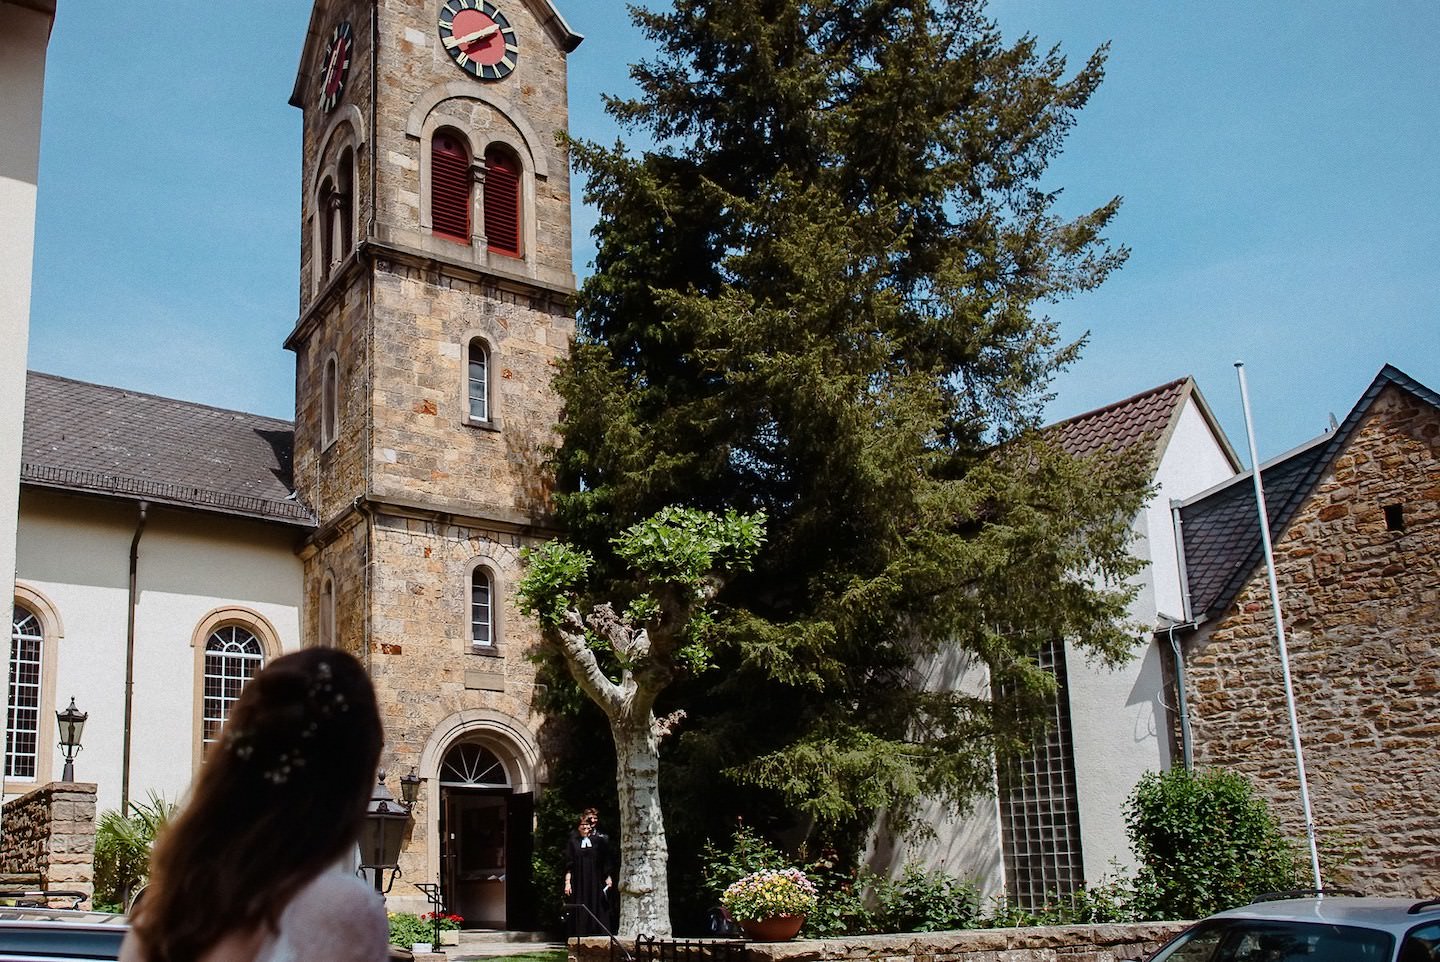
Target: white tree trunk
644, 855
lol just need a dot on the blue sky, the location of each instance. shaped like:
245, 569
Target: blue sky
1278, 163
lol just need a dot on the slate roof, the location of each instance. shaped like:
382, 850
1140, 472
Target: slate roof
104, 440
1220, 528
1147, 418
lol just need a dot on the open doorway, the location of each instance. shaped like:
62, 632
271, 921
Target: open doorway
487, 835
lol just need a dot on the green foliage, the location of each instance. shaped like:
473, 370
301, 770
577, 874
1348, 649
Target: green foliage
747, 852
554, 572
925, 901
407, 928
819, 294
122, 849
1206, 842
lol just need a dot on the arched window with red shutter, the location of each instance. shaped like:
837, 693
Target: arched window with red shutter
450, 187
502, 201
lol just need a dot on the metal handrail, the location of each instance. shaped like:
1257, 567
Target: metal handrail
614, 942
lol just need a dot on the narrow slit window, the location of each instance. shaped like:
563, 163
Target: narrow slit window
502, 202
450, 187
1394, 517
330, 402
479, 381
326, 215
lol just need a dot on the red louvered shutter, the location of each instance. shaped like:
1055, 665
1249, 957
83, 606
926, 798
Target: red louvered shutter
450, 188
502, 203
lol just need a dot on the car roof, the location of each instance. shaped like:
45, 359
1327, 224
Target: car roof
1392, 915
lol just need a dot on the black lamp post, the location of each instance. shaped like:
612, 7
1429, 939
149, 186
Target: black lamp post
71, 723
380, 839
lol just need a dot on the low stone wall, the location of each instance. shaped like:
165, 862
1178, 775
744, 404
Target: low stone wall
50, 832
1060, 943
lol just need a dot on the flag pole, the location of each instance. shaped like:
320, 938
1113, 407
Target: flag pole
1280, 629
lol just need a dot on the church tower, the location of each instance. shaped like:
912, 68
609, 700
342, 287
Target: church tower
435, 300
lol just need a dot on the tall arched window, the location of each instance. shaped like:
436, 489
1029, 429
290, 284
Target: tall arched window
478, 380
450, 186
22, 718
326, 213
232, 657
330, 402
482, 610
502, 201
327, 611
345, 209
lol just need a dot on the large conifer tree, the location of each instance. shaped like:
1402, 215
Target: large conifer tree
819, 294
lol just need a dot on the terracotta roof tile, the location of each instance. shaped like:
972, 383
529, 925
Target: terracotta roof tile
1141, 419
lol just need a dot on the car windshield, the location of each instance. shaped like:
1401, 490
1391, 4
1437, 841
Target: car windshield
1269, 940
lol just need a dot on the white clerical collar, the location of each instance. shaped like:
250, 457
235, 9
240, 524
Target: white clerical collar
585, 842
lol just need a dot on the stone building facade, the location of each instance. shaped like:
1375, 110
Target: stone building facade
1356, 530
424, 412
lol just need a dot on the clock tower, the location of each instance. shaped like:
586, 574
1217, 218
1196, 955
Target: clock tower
435, 301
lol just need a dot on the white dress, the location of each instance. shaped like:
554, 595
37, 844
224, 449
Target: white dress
337, 918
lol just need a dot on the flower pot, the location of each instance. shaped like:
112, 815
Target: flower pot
422, 948
449, 936
777, 928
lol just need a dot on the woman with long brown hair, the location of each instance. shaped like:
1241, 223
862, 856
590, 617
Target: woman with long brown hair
248, 871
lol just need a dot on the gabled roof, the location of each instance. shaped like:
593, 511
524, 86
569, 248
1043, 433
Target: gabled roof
545, 11
1148, 418
1220, 528
104, 440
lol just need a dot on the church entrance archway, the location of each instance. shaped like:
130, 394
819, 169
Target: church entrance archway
486, 830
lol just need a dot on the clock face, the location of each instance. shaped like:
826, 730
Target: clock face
335, 65
477, 36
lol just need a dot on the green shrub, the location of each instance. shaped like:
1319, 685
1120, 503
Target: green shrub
122, 849
747, 853
1205, 842
921, 901
407, 928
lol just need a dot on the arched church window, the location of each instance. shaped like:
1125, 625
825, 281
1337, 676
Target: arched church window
344, 205
473, 766
233, 656
22, 720
502, 201
450, 186
326, 212
482, 610
478, 380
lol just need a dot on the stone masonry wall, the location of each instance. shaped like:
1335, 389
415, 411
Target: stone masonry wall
50, 832
1362, 610
1068, 943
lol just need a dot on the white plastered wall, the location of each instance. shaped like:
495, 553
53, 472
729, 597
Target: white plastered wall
24, 34
1118, 716
75, 551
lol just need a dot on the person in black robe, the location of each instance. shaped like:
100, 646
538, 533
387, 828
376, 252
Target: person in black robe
588, 881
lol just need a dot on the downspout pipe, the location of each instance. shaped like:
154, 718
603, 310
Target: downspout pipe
130, 658
1182, 701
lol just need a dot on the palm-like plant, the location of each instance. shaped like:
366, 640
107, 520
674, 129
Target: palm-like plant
122, 848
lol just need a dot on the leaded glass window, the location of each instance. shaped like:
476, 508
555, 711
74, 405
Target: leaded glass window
479, 382
482, 612
232, 657
22, 717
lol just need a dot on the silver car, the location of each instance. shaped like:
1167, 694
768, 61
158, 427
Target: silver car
1330, 928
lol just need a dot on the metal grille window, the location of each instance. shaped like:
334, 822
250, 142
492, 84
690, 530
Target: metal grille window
479, 381
22, 719
482, 614
232, 657
1039, 808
